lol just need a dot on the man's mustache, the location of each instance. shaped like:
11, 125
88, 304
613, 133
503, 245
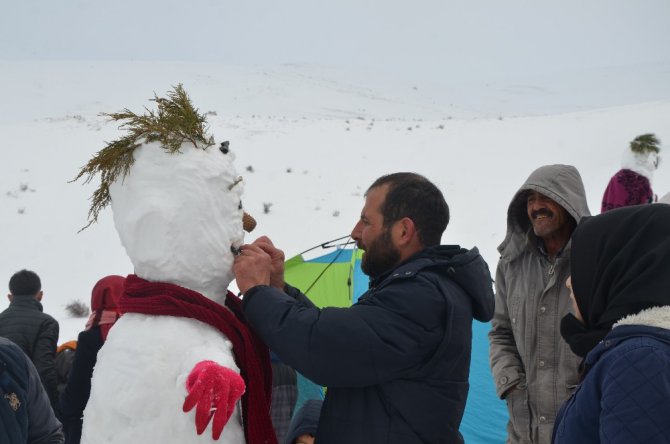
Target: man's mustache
541, 212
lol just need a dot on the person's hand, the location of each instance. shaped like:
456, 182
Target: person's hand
276, 261
252, 267
215, 390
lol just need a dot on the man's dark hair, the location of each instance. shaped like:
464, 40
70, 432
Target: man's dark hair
25, 283
412, 195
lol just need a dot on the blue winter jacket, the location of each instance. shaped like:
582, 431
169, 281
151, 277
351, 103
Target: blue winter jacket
397, 362
26, 417
625, 396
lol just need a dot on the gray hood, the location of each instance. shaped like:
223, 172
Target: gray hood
562, 184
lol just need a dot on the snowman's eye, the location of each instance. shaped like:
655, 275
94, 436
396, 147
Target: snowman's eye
225, 147
239, 207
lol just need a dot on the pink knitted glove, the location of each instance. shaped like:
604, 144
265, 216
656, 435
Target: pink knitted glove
214, 389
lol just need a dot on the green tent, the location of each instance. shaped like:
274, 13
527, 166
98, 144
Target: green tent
331, 280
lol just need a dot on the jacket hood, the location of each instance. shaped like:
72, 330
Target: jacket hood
653, 321
651, 317
468, 269
107, 292
562, 184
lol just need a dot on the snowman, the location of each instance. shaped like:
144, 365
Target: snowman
632, 184
180, 365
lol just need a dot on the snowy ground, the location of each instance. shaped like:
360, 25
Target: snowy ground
308, 140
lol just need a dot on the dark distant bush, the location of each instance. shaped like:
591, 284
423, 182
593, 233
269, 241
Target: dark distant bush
77, 309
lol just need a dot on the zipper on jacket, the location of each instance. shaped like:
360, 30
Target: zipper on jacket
551, 268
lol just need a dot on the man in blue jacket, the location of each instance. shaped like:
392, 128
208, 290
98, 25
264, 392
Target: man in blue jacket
25, 414
396, 363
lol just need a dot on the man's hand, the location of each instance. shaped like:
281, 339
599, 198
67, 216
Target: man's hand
276, 261
252, 267
213, 390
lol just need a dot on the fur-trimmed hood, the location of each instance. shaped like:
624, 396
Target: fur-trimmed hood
651, 317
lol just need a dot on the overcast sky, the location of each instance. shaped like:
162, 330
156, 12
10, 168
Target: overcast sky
421, 38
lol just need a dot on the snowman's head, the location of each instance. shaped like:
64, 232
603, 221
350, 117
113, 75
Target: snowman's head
179, 216
643, 155
176, 197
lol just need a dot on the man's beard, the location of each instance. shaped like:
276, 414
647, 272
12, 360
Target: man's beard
380, 256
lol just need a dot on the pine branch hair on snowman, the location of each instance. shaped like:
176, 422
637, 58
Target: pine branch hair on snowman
175, 122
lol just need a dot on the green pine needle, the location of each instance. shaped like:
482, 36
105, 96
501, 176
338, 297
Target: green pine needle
645, 143
174, 122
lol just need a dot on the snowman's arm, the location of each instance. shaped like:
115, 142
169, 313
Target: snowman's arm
214, 391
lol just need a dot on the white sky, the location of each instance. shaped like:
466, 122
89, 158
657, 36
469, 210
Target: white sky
425, 39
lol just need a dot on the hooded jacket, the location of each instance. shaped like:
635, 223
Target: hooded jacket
36, 333
625, 397
25, 414
527, 352
397, 362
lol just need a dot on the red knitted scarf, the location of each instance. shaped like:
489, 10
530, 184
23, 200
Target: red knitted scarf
251, 355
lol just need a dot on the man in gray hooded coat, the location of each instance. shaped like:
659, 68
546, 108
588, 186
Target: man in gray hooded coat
533, 368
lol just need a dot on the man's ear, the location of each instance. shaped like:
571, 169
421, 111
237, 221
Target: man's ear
406, 231
10, 297
39, 295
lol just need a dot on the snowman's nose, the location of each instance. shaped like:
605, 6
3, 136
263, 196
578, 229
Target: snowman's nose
248, 222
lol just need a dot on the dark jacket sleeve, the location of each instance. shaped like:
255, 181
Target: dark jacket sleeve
44, 357
298, 296
78, 389
43, 426
371, 342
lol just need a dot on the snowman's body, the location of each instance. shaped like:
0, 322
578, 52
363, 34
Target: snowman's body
149, 370
177, 216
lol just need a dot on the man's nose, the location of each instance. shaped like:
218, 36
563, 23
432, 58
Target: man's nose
356, 232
